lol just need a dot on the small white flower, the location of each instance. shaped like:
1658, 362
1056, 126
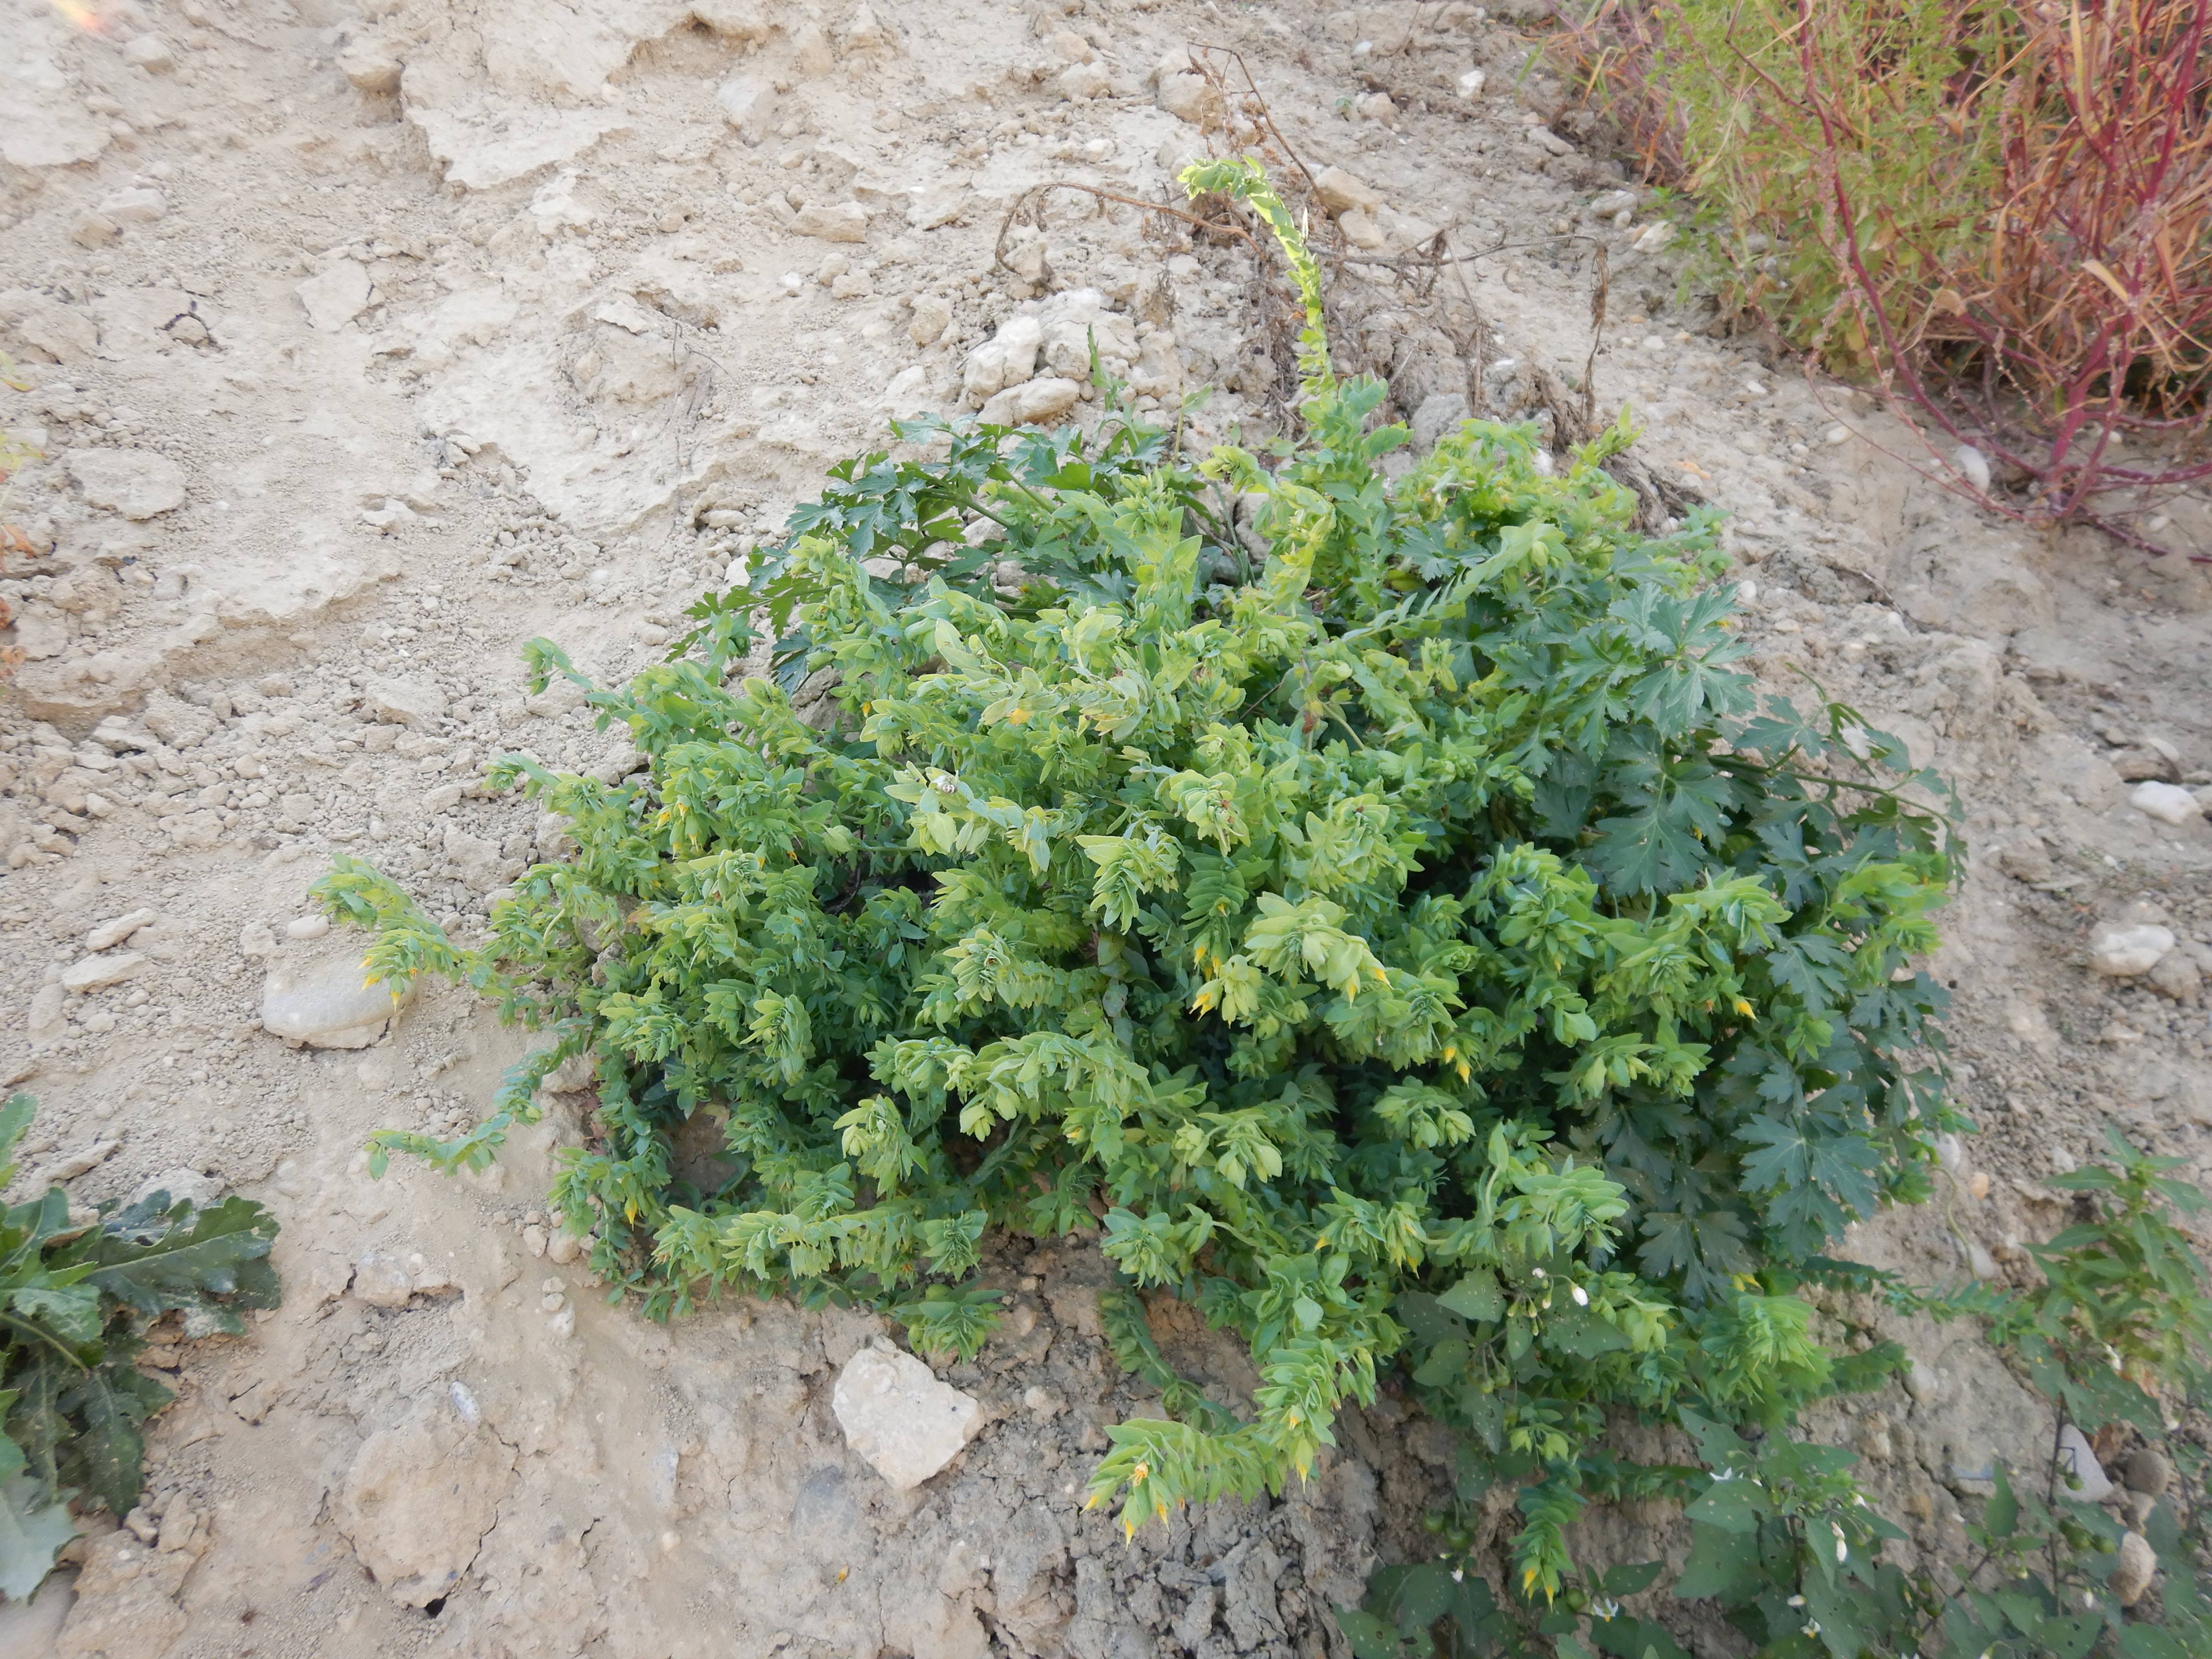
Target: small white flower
1581, 1296
1796, 1601
1538, 1273
1459, 1575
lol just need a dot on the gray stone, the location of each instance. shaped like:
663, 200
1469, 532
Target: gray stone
2149, 1471
110, 934
1440, 412
383, 1280
1340, 192
2132, 1573
842, 222
900, 1418
1034, 402
2169, 802
748, 103
99, 972
327, 1004
152, 53
139, 206
135, 483
404, 703
2120, 951
2078, 1461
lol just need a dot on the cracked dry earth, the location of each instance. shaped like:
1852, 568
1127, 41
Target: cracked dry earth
364, 343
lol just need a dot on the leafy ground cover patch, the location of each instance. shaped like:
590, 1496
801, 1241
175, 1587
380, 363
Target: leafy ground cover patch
1380, 909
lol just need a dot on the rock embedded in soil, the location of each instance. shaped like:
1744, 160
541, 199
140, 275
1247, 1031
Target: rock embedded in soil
2079, 1460
1342, 192
2169, 802
2132, 1572
1034, 402
841, 221
337, 296
404, 703
900, 1418
110, 934
326, 1004
418, 1500
2149, 1471
2122, 952
97, 973
135, 483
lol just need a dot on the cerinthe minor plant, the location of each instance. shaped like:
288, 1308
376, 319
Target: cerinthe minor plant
1415, 929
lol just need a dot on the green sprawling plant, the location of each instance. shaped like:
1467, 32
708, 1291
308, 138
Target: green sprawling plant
1412, 930
76, 1298
2118, 1337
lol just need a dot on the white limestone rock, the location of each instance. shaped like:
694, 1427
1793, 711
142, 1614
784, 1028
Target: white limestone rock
326, 1004
138, 483
2169, 802
900, 1418
2119, 951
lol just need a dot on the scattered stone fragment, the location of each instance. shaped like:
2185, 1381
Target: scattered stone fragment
1191, 98
1341, 192
404, 703
337, 296
2176, 975
1034, 402
2027, 860
747, 103
900, 1418
109, 935
841, 222
1080, 82
1007, 358
98, 973
383, 1280
931, 317
91, 229
2169, 802
68, 1165
2148, 1470
307, 926
370, 65
2120, 951
2133, 1571
325, 1005
2091, 1484
141, 206
137, 483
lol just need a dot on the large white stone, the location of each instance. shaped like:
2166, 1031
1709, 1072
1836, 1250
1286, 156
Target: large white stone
136, 483
326, 1004
2169, 802
2121, 951
897, 1415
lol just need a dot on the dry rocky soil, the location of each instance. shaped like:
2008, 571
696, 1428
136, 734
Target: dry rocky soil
363, 342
